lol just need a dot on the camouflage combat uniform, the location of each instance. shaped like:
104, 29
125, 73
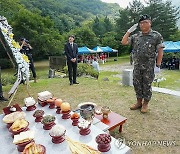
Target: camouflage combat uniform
145, 48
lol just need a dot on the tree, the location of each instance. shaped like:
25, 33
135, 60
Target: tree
84, 36
164, 17
98, 27
123, 22
71, 13
128, 17
8, 8
39, 31
176, 36
65, 23
109, 39
135, 10
108, 25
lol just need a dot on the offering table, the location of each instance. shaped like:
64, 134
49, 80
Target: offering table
114, 120
42, 136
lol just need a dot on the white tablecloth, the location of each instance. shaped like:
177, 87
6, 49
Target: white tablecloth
42, 136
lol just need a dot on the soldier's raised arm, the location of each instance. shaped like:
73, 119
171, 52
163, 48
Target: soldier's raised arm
124, 40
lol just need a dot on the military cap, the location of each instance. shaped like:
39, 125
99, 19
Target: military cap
23, 39
144, 17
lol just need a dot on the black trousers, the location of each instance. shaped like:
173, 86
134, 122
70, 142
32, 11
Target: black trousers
1, 92
31, 66
72, 69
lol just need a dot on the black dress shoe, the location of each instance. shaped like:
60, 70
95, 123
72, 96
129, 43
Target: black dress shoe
3, 99
75, 82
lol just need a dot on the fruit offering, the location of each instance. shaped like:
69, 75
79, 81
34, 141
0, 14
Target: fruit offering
75, 116
42, 103
48, 122
58, 102
57, 133
83, 124
51, 100
33, 148
57, 130
65, 107
48, 119
29, 101
45, 95
103, 138
103, 141
38, 113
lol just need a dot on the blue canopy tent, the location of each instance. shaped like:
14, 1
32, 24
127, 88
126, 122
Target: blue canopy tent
84, 50
104, 49
107, 49
166, 42
177, 43
114, 50
97, 49
171, 46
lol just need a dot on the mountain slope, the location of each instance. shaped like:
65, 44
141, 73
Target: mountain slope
68, 14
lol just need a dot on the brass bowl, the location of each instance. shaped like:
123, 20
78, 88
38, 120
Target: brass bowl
87, 111
105, 111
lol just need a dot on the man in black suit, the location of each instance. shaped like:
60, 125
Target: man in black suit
71, 51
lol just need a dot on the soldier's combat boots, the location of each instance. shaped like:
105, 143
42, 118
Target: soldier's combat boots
144, 108
137, 105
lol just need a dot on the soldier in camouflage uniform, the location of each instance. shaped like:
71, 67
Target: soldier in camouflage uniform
147, 46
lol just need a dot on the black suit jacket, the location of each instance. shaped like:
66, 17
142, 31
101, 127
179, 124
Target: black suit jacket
71, 53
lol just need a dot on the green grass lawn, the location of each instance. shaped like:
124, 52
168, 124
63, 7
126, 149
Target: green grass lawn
109, 75
120, 60
172, 79
172, 76
160, 123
